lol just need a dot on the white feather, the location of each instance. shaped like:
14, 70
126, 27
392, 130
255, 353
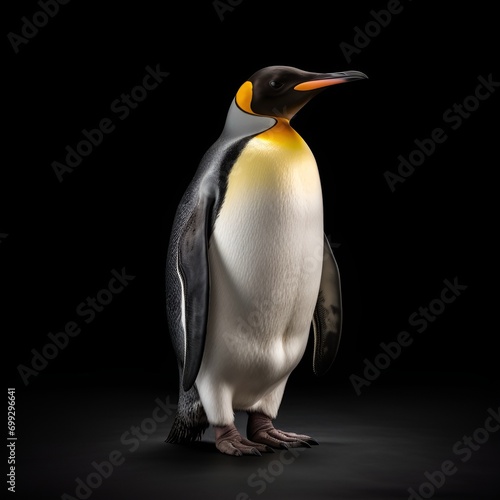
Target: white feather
265, 268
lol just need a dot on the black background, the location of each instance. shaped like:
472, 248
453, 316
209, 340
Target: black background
116, 208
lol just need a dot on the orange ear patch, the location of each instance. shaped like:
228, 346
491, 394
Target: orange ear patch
244, 97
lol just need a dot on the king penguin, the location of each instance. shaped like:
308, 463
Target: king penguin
249, 268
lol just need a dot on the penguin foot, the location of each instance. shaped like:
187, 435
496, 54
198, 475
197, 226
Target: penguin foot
229, 441
261, 430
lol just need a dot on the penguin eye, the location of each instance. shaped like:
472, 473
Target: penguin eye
275, 84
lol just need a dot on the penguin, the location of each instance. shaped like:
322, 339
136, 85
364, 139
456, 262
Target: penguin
249, 269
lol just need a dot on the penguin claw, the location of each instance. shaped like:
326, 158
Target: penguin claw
238, 449
261, 430
279, 439
294, 444
304, 444
294, 440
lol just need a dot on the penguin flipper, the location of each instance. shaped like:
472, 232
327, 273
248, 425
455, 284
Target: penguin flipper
194, 270
327, 318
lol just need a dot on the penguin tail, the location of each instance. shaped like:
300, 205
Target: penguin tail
190, 420
183, 432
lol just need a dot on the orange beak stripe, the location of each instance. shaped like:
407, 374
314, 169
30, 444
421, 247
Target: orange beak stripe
318, 84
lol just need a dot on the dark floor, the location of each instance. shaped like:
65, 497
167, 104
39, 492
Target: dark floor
374, 446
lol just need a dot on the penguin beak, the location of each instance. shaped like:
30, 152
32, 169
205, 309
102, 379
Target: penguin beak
328, 79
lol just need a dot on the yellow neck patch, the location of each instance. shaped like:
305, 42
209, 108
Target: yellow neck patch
276, 161
283, 135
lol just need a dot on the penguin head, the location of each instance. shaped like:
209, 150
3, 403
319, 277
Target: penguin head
281, 91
